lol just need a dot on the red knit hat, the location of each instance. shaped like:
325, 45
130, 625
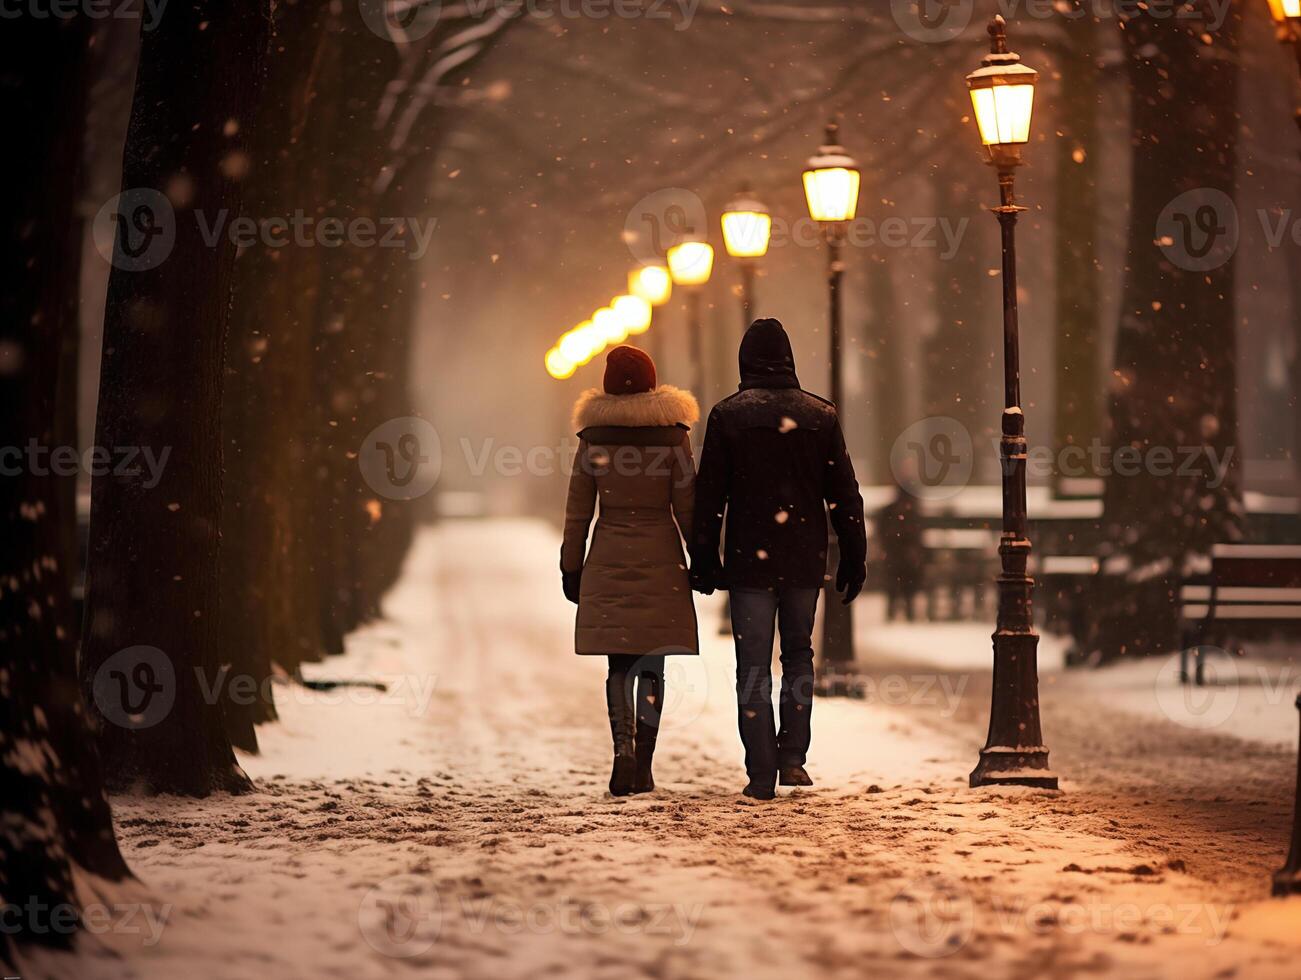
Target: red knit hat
628, 371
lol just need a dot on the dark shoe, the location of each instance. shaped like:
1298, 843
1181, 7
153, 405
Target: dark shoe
623, 775
794, 776
757, 791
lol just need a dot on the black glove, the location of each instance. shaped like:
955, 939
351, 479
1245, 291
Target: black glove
850, 577
570, 581
705, 577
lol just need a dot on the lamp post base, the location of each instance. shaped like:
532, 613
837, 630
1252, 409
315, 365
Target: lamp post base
1021, 766
1014, 753
1287, 883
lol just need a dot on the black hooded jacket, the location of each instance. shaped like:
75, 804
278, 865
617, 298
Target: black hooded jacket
773, 455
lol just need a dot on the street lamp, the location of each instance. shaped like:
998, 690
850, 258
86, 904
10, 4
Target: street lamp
1002, 94
747, 226
1287, 15
831, 182
691, 261
652, 283
634, 314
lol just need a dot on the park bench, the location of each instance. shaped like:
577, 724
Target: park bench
960, 562
1250, 592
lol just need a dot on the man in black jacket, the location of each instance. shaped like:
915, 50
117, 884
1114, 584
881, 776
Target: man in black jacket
775, 462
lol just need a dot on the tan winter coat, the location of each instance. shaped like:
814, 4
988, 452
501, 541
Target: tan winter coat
634, 455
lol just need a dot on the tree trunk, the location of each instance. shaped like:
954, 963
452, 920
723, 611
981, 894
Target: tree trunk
1174, 386
151, 641
1078, 413
52, 803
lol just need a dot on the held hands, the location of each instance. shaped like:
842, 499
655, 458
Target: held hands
570, 582
850, 577
705, 578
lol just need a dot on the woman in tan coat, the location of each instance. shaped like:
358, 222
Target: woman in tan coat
634, 597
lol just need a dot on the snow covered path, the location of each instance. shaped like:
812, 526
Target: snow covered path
458, 826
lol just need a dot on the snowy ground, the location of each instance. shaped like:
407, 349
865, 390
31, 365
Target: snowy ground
458, 826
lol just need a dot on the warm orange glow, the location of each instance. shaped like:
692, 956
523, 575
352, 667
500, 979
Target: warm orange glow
652, 283
691, 262
634, 313
558, 366
1285, 10
746, 233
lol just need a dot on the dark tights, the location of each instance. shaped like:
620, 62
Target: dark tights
648, 674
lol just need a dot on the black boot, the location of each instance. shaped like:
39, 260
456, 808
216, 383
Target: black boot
650, 703
618, 700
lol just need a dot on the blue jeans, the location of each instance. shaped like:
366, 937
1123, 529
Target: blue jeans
755, 612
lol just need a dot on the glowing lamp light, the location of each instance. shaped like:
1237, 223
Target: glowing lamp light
576, 346
1284, 11
831, 181
1002, 95
634, 314
691, 262
747, 226
558, 366
652, 283
609, 328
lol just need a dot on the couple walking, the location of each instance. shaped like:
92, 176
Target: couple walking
773, 466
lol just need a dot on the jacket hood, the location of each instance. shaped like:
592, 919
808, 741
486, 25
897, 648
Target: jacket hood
665, 405
766, 358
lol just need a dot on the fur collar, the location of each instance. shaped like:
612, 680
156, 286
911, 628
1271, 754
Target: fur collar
665, 405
